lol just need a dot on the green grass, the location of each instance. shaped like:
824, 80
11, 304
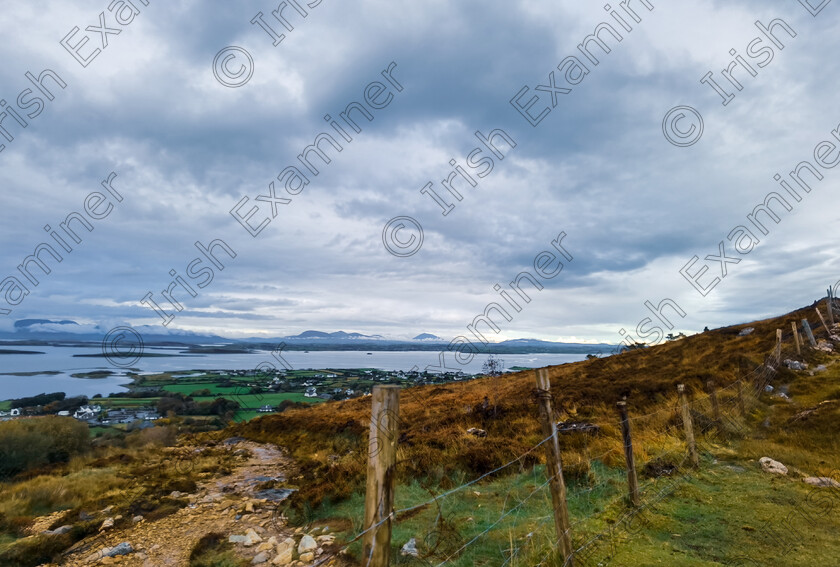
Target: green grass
125, 402
257, 400
715, 516
5, 405
187, 388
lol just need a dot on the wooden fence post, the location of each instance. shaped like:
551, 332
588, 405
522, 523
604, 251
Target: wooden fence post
796, 338
830, 307
710, 385
689, 426
632, 480
741, 407
778, 345
554, 466
807, 328
379, 497
827, 329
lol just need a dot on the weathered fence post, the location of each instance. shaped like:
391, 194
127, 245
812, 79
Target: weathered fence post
827, 329
689, 426
829, 304
379, 497
741, 407
796, 338
554, 466
778, 346
632, 480
807, 328
710, 386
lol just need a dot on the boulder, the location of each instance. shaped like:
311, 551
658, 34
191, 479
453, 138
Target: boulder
822, 482
137, 519
771, 466
410, 548
307, 544
285, 549
123, 548
107, 524
260, 557
238, 539
745, 332
251, 537
307, 557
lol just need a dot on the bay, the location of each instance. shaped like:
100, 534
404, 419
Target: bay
60, 360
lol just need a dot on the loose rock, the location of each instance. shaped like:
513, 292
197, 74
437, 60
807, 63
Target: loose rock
410, 548
822, 482
773, 467
307, 543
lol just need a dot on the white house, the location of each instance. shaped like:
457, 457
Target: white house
87, 412
311, 392
15, 412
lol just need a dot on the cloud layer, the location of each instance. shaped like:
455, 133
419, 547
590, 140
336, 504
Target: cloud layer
634, 207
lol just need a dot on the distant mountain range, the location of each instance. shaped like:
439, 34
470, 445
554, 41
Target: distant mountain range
46, 332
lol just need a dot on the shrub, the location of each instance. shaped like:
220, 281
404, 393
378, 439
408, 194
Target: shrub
37, 550
31, 443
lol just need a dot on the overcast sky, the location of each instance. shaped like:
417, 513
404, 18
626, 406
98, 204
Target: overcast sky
635, 208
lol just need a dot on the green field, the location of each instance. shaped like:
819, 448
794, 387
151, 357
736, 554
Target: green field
125, 402
188, 388
5, 405
257, 400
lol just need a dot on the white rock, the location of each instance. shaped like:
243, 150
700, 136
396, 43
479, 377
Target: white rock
107, 524
771, 466
410, 548
261, 557
822, 482
307, 543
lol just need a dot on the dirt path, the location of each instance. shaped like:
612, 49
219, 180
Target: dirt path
229, 505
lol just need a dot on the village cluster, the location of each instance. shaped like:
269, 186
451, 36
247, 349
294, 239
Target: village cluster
247, 393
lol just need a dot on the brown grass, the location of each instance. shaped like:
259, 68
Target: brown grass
329, 440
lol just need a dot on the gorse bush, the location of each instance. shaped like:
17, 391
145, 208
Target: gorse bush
29, 443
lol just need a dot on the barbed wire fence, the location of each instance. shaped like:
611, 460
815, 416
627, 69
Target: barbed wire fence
604, 514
